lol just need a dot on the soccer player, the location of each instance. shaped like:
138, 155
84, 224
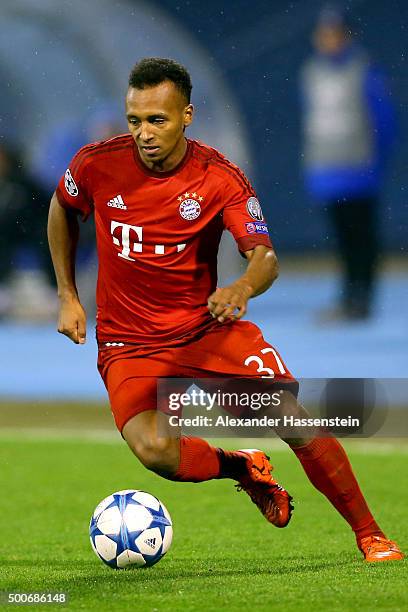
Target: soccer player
161, 203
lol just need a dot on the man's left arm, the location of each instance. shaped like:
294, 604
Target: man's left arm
382, 110
231, 302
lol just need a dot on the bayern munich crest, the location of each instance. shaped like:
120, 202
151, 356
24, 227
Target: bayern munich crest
190, 208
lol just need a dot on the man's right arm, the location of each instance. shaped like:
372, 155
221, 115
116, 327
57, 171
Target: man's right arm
63, 232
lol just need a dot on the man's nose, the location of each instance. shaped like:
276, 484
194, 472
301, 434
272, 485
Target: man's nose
145, 132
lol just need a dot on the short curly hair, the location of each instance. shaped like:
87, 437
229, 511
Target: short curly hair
152, 71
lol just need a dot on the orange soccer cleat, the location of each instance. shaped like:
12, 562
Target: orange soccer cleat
272, 499
376, 548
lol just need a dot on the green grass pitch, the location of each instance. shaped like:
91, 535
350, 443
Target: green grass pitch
224, 556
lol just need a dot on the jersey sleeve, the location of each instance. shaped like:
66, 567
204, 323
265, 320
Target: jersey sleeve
242, 214
74, 188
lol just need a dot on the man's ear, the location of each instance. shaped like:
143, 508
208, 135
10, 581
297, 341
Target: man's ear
188, 115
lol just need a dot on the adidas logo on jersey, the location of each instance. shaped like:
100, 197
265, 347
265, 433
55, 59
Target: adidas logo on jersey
117, 202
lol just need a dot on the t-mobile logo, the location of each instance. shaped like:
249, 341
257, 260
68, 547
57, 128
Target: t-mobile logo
124, 240
130, 238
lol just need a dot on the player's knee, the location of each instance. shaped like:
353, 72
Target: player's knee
160, 455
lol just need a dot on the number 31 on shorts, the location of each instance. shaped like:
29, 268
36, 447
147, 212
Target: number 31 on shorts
262, 369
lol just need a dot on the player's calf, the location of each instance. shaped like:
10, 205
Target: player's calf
158, 452
167, 453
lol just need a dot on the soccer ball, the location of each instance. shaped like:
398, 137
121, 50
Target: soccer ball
130, 528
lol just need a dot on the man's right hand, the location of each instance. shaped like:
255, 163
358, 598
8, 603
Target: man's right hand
72, 320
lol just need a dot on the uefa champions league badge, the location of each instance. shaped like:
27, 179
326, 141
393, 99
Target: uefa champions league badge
70, 184
189, 207
254, 208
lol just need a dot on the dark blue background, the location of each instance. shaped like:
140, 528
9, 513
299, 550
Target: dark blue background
260, 46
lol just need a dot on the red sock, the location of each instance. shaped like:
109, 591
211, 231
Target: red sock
199, 461
328, 469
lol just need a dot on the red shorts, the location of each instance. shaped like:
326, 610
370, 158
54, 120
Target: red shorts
237, 349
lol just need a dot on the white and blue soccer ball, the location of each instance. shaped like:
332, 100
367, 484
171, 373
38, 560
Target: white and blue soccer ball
130, 528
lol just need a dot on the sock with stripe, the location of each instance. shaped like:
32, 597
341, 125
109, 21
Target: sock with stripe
328, 469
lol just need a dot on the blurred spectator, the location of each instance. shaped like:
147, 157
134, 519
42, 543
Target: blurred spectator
60, 143
52, 157
25, 267
349, 126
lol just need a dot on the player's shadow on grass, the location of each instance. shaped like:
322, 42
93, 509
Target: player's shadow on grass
177, 569
49, 564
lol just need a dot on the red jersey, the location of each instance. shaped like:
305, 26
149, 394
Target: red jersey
158, 234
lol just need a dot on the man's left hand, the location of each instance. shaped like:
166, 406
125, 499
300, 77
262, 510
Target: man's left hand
230, 302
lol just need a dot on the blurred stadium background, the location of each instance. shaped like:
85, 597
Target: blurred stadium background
64, 68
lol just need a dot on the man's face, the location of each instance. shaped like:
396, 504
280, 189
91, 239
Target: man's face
329, 39
156, 118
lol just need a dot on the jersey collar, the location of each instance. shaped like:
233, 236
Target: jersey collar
171, 172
